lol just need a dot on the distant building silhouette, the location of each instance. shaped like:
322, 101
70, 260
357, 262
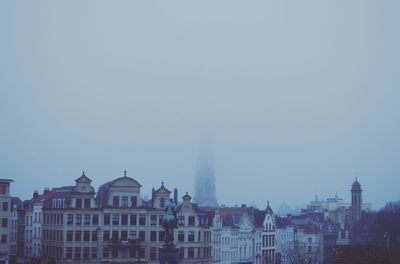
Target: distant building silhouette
356, 201
205, 181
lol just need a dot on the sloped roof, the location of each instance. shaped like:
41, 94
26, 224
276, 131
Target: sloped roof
83, 178
102, 193
162, 189
64, 192
282, 222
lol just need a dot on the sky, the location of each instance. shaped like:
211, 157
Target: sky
295, 97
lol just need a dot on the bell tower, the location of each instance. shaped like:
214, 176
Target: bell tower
356, 201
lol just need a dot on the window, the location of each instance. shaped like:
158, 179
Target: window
86, 236
94, 252
115, 219
142, 253
3, 189
132, 235
94, 235
142, 220
95, 219
85, 253
115, 235
124, 235
191, 221
69, 235
106, 235
77, 253
182, 252
309, 240
70, 219
78, 235
190, 252
4, 222
86, 219
106, 219
153, 253
142, 235
68, 253
124, 252
160, 220
162, 202
78, 203
5, 206
191, 236
153, 235
309, 249
114, 253
124, 219
181, 236
134, 201
181, 220
116, 201
4, 239
78, 219
153, 220
161, 235
132, 252
124, 201
87, 203
106, 252
133, 219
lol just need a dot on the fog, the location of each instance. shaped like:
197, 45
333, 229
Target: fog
294, 97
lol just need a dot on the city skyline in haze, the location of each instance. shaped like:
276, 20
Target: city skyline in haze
295, 96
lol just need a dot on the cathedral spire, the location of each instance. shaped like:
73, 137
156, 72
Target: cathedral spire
205, 179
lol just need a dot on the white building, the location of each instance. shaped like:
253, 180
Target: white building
268, 236
238, 234
5, 211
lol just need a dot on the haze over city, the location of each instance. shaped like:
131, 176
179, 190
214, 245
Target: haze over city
294, 99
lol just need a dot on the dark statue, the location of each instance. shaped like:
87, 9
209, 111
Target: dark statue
169, 253
170, 222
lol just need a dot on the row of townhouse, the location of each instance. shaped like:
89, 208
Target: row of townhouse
243, 235
75, 224
248, 235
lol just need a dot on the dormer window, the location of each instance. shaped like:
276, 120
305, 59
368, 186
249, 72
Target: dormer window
162, 202
124, 201
116, 201
134, 201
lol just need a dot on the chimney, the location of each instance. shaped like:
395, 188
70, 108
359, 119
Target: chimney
243, 205
35, 195
152, 194
45, 191
176, 196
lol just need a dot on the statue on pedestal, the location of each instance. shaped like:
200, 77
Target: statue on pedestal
169, 253
170, 222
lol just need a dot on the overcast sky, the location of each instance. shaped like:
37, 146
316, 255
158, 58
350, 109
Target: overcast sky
295, 97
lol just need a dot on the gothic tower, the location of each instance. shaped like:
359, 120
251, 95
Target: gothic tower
205, 181
356, 201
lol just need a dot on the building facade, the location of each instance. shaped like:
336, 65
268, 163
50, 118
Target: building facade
116, 225
5, 214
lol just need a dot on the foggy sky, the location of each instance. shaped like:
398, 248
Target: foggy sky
295, 96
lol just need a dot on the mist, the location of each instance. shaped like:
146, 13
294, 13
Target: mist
295, 97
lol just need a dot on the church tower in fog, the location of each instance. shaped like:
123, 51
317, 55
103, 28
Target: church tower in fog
205, 180
356, 201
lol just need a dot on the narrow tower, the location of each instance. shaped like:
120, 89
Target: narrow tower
356, 201
205, 180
